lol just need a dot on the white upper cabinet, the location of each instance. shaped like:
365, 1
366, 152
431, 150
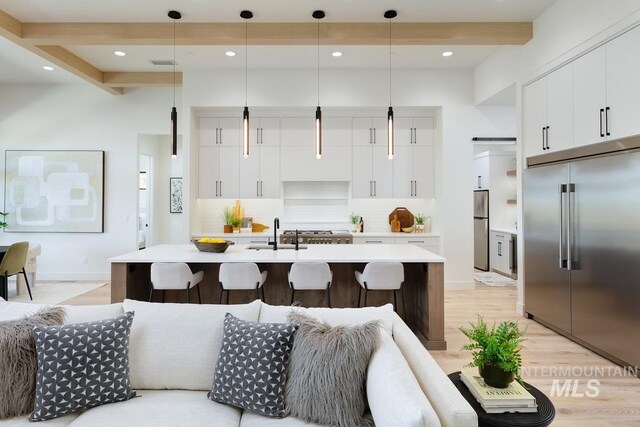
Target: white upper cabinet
589, 97
382, 173
297, 131
416, 131
623, 84
372, 173
265, 131
208, 172
218, 175
208, 131
548, 119
250, 174
229, 175
260, 173
336, 131
481, 172
403, 172
423, 174
369, 131
214, 131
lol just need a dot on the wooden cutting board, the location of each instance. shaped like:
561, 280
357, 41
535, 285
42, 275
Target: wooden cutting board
404, 216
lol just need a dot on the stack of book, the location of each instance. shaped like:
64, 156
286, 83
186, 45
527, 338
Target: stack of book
514, 398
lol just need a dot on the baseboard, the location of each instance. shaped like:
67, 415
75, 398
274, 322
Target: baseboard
459, 286
73, 276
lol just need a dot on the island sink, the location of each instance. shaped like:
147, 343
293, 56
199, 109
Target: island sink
281, 246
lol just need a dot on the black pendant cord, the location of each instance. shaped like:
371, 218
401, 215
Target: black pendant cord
174, 62
318, 62
246, 56
390, 63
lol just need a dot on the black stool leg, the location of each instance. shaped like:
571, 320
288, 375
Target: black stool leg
188, 294
262, 290
329, 296
395, 303
365, 296
151, 293
258, 291
228, 292
359, 297
221, 292
198, 289
404, 307
293, 291
163, 292
24, 273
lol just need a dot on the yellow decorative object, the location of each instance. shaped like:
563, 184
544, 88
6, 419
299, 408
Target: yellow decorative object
211, 240
258, 228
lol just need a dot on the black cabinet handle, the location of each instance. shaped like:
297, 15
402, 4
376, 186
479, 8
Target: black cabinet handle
499, 248
547, 136
601, 114
543, 147
606, 121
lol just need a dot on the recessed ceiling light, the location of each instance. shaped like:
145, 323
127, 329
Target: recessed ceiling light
119, 53
447, 53
336, 54
48, 68
230, 53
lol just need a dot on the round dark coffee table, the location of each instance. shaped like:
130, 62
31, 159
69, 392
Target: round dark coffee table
545, 415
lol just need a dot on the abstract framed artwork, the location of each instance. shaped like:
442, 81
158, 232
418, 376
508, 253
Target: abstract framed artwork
54, 191
175, 195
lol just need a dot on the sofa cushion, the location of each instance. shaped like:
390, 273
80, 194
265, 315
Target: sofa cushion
251, 368
18, 362
394, 395
10, 310
24, 421
327, 372
250, 419
333, 316
82, 365
162, 408
175, 346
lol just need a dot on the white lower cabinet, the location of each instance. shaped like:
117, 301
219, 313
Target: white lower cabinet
252, 240
430, 243
374, 240
501, 253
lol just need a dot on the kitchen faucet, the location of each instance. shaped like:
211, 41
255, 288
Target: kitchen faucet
276, 225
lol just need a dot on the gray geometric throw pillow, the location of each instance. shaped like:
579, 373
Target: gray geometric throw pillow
81, 366
252, 365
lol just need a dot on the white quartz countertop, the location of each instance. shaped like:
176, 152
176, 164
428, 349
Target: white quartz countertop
266, 233
269, 233
314, 253
505, 230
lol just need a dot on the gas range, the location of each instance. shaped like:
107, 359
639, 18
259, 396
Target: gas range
323, 237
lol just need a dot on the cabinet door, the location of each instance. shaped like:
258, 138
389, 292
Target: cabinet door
403, 172
269, 132
494, 248
362, 181
207, 172
481, 173
250, 175
229, 175
424, 131
403, 130
382, 173
336, 131
623, 84
423, 174
379, 125
269, 172
560, 109
589, 97
535, 117
207, 131
362, 131
297, 131
230, 132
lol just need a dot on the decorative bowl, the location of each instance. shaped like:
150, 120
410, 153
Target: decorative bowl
408, 229
212, 247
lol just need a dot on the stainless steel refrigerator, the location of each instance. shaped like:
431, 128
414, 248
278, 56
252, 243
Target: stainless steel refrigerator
582, 251
481, 229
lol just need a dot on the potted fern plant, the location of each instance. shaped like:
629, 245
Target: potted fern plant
495, 351
3, 220
228, 220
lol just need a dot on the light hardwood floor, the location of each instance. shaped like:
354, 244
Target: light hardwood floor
618, 400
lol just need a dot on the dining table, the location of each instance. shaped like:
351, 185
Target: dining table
4, 282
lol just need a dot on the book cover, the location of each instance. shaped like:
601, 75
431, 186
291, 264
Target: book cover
512, 396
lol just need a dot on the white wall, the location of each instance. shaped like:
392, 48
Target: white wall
458, 121
81, 117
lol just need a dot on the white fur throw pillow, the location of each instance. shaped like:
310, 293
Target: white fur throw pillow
327, 372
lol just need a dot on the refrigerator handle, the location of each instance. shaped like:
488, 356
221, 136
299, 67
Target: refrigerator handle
571, 188
562, 262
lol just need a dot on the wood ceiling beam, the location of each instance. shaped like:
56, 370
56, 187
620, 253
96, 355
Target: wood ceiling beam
140, 79
412, 33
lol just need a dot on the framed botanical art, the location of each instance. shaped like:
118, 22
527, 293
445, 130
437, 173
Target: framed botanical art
54, 191
175, 195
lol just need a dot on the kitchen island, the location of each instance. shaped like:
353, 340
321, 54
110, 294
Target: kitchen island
423, 286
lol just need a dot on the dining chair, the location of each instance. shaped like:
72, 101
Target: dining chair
241, 276
31, 267
174, 276
310, 276
382, 276
13, 262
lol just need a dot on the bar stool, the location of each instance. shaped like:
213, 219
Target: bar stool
382, 276
241, 276
174, 276
306, 276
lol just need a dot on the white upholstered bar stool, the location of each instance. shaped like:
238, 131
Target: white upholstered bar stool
241, 276
174, 276
305, 276
382, 276
31, 267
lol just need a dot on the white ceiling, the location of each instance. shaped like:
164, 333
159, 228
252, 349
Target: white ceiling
21, 66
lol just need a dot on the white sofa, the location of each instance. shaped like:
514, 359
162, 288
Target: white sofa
174, 347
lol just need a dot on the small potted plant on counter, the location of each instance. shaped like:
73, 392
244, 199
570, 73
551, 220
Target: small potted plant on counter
419, 223
228, 220
495, 351
3, 220
355, 219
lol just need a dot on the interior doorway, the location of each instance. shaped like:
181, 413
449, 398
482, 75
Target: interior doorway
145, 196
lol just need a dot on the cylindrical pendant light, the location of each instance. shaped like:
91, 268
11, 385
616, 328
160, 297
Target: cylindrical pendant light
246, 15
175, 15
390, 14
318, 15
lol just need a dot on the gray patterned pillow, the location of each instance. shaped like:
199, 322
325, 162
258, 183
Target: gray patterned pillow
252, 365
81, 366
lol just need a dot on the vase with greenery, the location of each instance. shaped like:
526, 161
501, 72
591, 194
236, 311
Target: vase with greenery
229, 218
3, 220
419, 222
495, 351
354, 220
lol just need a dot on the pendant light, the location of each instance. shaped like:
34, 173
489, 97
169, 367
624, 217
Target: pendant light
390, 14
175, 15
246, 15
318, 15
